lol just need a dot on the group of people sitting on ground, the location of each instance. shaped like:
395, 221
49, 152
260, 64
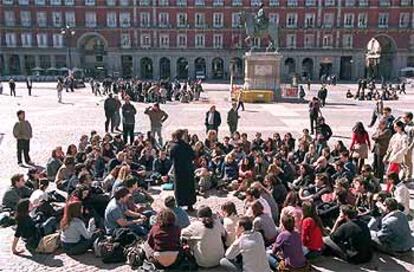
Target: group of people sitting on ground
301, 199
367, 90
149, 91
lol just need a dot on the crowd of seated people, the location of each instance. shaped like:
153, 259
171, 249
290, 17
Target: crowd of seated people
298, 201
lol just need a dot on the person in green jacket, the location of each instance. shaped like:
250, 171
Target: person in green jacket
233, 119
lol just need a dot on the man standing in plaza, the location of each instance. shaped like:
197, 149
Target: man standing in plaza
314, 112
213, 119
381, 137
157, 117
22, 131
233, 119
110, 108
12, 86
29, 85
182, 156
408, 158
128, 120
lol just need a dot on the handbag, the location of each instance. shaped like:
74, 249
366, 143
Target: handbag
49, 243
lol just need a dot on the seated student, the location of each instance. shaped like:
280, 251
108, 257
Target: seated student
65, 172
306, 177
203, 176
373, 183
229, 170
395, 235
266, 195
312, 230
316, 191
163, 243
75, 237
364, 199
53, 165
263, 223
162, 164
400, 192
253, 194
230, 219
181, 217
205, 238
117, 213
247, 253
288, 242
341, 172
28, 229
278, 190
15, 192
348, 163
350, 238
292, 207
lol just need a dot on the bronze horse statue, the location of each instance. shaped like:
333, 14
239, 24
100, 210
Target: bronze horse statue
259, 26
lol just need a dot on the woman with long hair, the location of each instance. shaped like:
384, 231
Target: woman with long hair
72, 150
360, 145
27, 229
205, 238
292, 207
75, 237
312, 230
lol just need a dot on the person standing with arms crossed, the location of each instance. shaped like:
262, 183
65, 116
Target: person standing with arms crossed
157, 118
128, 120
233, 119
22, 131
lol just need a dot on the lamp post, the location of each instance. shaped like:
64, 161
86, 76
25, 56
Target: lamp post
68, 33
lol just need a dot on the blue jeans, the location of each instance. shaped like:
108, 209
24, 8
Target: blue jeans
231, 265
273, 261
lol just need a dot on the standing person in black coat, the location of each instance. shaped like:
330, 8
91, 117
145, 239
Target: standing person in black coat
12, 86
110, 106
314, 112
322, 94
29, 85
128, 120
182, 156
213, 119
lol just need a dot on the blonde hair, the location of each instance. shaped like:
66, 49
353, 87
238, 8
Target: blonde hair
124, 172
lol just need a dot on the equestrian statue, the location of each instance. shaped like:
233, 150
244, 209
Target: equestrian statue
259, 26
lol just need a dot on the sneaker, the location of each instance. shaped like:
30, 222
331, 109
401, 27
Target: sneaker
20, 164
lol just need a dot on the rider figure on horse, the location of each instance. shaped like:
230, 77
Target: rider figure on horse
262, 22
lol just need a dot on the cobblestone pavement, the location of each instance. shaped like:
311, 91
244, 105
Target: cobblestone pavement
62, 124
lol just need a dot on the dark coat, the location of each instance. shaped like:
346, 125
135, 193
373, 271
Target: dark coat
110, 105
216, 120
182, 156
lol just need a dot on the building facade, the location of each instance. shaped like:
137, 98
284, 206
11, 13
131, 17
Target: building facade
155, 39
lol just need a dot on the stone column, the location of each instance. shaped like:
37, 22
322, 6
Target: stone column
173, 67
191, 67
21, 63
6, 64
155, 67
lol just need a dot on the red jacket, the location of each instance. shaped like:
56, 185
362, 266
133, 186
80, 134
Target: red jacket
311, 235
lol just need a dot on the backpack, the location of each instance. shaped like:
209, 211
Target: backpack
49, 243
111, 252
124, 237
135, 255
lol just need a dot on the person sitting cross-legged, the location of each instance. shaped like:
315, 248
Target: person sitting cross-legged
247, 253
394, 235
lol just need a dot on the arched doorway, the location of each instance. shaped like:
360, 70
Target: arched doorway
218, 68
165, 71
236, 66
182, 68
307, 68
92, 47
290, 66
146, 68
200, 68
386, 62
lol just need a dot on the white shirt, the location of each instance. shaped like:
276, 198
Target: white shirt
210, 119
398, 147
230, 224
206, 244
402, 195
251, 246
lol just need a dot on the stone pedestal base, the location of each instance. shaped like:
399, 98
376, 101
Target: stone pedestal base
262, 73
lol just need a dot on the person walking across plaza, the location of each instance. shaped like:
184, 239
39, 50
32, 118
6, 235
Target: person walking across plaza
29, 85
22, 131
12, 86
240, 102
157, 117
128, 120
110, 108
182, 156
233, 119
59, 89
213, 119
314, 112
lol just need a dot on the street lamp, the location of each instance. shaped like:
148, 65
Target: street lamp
68, 33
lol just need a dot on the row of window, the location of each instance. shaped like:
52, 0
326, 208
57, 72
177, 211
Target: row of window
123, 19
42, 40
289, 3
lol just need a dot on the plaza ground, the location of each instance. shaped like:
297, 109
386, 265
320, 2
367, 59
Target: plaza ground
57, 124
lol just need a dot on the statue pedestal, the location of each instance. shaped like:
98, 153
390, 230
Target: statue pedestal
262, 76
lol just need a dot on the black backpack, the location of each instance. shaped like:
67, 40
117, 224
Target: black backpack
112, 252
